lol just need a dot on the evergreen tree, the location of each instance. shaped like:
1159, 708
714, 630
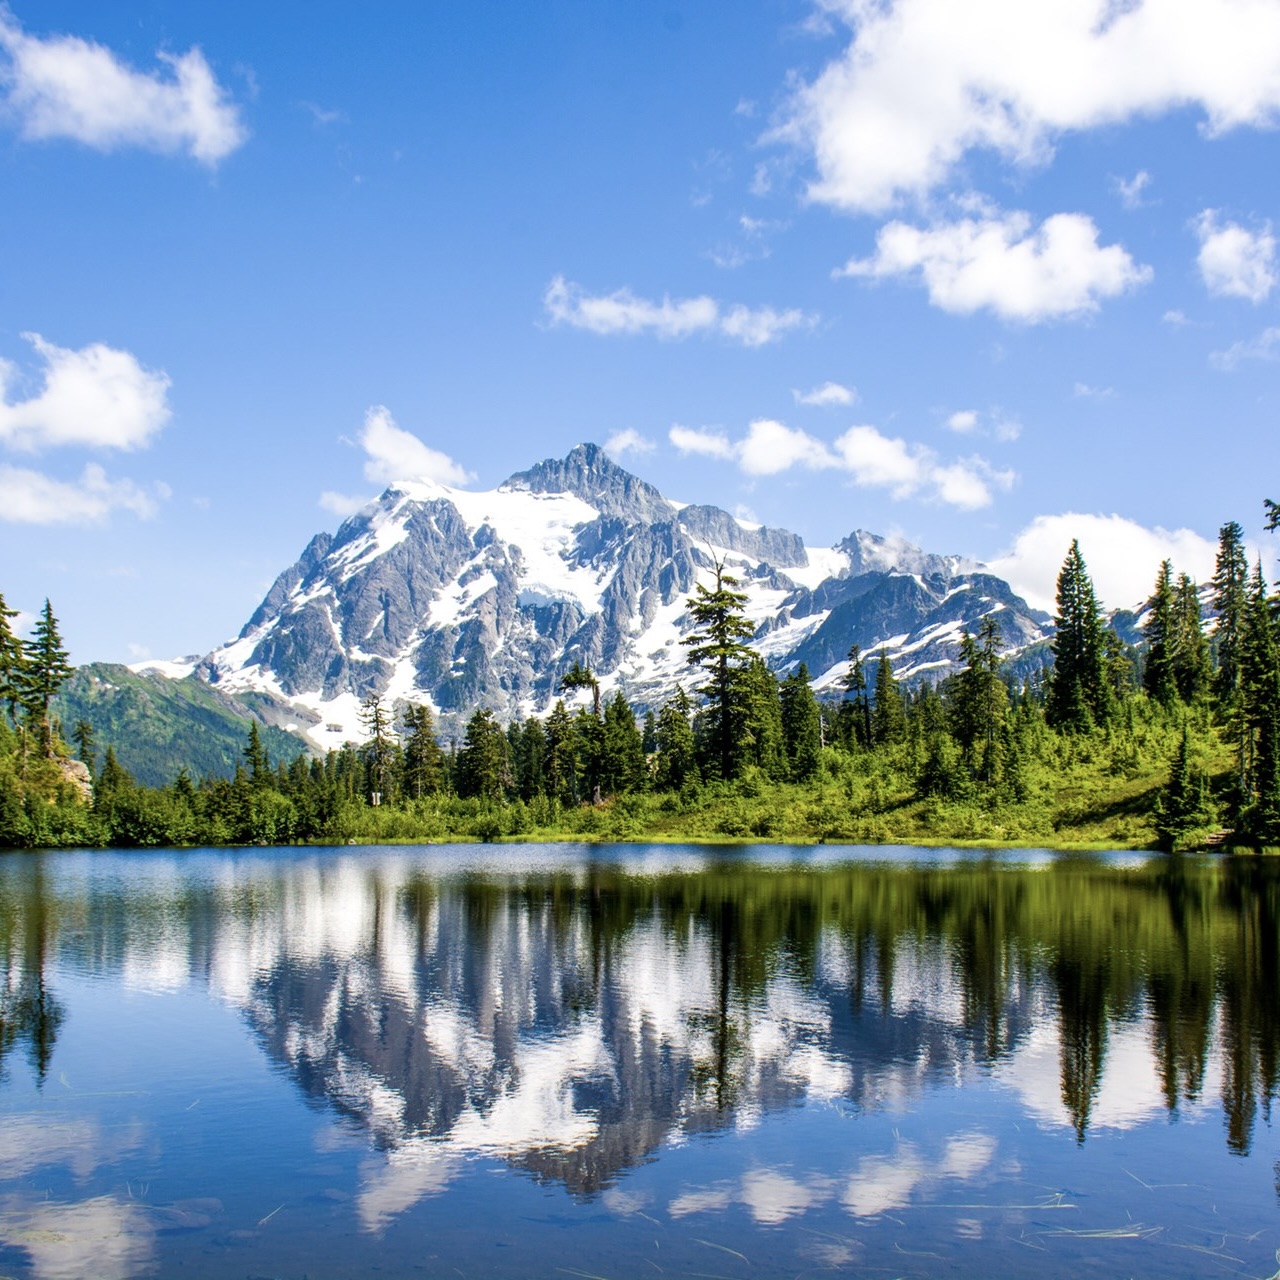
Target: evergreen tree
377, 751
1259, 737
1181, 808
1158, 673
423, 759
46, 671
1191, 672
1078, 694
1230, 603
482, 761
86, 745
13, 662
528, 763
623, 766
979, 700
888, 717
561, 761
255, 758
590, 732
717, 645
677, 761
858, 714
801, 725
760, 740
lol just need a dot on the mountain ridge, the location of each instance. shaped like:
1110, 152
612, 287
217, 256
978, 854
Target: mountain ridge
463, 598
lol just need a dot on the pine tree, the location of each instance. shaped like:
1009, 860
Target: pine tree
423, 759
677, 760
979, 700
377, 749
1259, 764
1191, 672
888, 717
13, 661
562, 759
86, 745
859, 705
1158, 630
46, 670
1078, 694
759, 740
590, 733
1230, 602
801, 725
255, 758
717, 645
1180, 809
623, 765
482, 761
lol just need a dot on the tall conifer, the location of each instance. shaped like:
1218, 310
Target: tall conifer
1078, 694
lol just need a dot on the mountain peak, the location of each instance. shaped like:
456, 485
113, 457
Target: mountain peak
587, 472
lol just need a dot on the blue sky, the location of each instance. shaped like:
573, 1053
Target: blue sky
986, 274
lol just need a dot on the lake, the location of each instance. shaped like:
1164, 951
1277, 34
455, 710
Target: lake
622, 1061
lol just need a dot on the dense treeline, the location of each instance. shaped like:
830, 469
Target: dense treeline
1168, 740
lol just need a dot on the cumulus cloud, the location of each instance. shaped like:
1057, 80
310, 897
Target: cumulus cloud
1235, 262
622, 312
924, 82
31, 497
1001, 263
1123, 557
628, 440
66, 87
98, 396
1130, 189
963, 421
396, 454
708, 444
1265, 347
828, 395
868, 458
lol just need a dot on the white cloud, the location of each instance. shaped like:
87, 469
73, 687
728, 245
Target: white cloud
31, 497
1122, 555
963, 421
924, 82
628, 440
1177, 319
1000, 263
1235, 262
341, 504
97, 396
870, 459
828, 395
771, 447
622, 312
1083, 391
66, 87
709, 444
1130, 190
396, 454
1266, 347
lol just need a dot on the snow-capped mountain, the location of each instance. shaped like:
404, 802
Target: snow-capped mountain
462, 599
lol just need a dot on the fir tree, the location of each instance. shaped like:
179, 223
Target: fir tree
561, 763
482, 761
377, 750
1158, 630
13, 663
589, 732
857, 702
623, 766
1078, 694
677, 761
888, 717
46, 671
979, 699
801, 725
423, 759
86, 745
1230, 602
1191, 672
717, 645
760, 739
1181, 808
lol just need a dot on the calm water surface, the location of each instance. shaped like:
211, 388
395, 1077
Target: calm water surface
619, 1062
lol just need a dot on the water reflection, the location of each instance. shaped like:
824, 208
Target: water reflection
574, 1018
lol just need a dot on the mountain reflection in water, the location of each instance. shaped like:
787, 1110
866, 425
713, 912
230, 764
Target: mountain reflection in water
572, 1014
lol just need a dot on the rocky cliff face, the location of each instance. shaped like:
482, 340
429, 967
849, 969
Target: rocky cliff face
463, 599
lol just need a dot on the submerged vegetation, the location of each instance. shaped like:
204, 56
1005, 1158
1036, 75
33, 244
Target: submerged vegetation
1171, 742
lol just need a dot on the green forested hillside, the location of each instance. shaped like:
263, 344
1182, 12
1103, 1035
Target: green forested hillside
158, 726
